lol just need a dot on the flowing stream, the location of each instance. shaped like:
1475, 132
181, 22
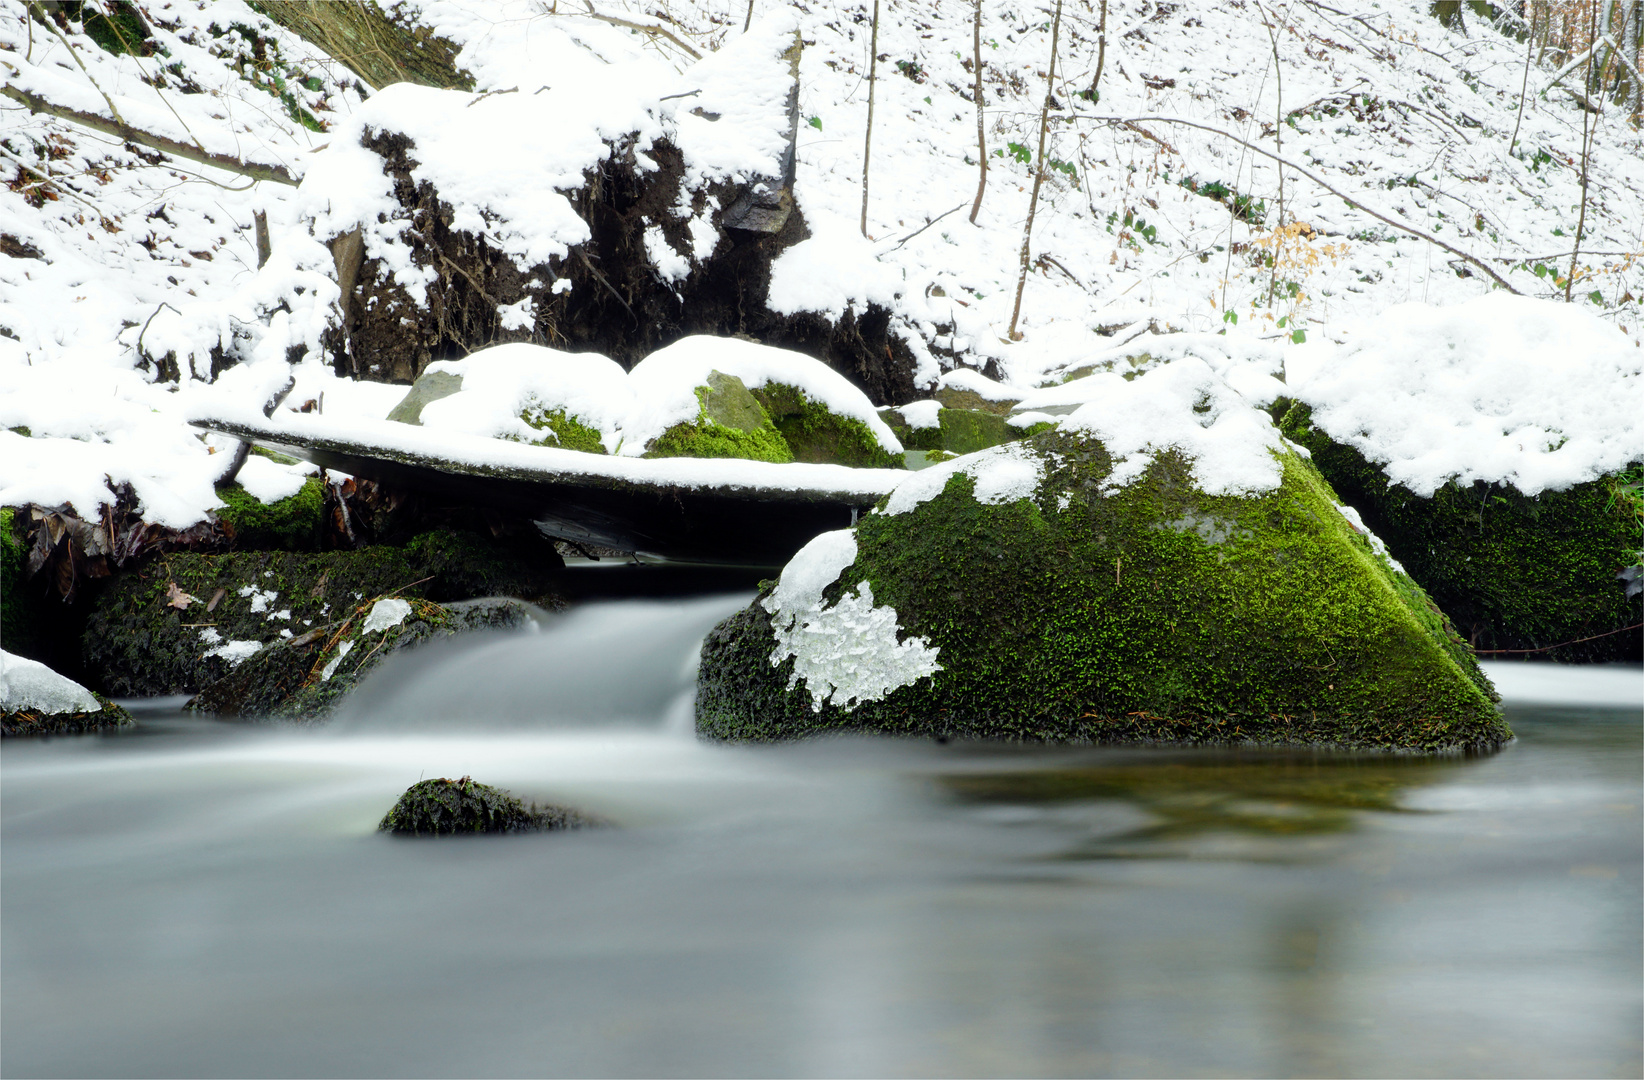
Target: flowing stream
203, 898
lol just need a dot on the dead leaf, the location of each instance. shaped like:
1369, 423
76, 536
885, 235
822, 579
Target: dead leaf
177, 598
216, 598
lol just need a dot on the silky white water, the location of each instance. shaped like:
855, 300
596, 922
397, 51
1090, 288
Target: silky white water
204, 898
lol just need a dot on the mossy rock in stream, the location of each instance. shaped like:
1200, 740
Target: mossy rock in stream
1147, 612
17, 623
1513, 571
185, 620
444, 807
25, 723
731, 423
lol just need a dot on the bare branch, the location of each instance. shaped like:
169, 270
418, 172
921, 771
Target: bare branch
1348, 199
256, 170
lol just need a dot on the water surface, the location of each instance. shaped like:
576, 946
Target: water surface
211, 899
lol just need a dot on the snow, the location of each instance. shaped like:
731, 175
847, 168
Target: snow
1001, 474
330, 668
629, 409
385, 614
30, 685
848, 653
1401, 115
1232, 446
922, 414
1529, 393
665, 385
236, 652
980, 385
501, 382
1376, 544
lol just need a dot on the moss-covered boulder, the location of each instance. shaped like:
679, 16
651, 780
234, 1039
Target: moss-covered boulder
186, 620
35, 700
815, 433
444, 807
1105, 581
1514, 571
730, 423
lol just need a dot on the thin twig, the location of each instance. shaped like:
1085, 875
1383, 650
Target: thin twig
867, 139
1348, 199
925, 226
981, 131
644, 28
1549, 648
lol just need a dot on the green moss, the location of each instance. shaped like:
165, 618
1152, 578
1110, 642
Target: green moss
291, 524
1513, 571
137, 643
121, 30
965, 431
1156, 613
562, 430
749, 434
16, 628
815, 433
455, 807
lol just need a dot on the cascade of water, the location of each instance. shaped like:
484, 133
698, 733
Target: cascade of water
631, 663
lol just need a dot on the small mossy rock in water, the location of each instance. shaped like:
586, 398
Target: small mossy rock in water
730, 424
1044, 591
457, 807
185, 620
1513, 571
295, 523
35, 700
430, 386
815, 433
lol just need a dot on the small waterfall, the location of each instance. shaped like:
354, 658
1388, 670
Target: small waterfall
630, 663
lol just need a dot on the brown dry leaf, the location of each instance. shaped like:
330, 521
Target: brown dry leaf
177, 598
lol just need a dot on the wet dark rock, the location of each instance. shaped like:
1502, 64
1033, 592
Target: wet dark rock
445, 807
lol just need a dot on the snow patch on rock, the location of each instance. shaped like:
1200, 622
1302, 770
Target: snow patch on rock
1233, 446
849, 653
1001, 474
29, 684
385, 614
1511, 390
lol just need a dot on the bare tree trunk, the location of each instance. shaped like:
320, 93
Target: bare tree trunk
1529, 47
1094, 93
867, 140
1038, 175
981, 131
1589, 127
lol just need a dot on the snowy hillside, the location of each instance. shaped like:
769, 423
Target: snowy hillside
1164, 206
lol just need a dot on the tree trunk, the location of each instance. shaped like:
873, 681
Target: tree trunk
376, 47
